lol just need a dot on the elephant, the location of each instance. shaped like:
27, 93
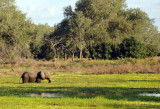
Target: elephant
34, 77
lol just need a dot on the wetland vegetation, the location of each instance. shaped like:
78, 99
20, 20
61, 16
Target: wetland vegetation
79, 90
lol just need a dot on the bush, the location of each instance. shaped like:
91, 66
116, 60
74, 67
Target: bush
85, 53
152, 50
131, 47
46, 52
104, 51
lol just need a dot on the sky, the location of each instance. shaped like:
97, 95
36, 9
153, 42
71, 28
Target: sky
51, 11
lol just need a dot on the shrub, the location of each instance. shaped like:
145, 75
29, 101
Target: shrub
131, 47
85, 53
152, 50
104, 51
46, 52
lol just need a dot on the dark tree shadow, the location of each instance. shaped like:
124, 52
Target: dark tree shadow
114, 93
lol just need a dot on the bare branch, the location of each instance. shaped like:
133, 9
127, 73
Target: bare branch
52, 42
53, 45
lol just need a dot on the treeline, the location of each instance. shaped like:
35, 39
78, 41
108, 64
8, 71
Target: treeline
106, 29
103, 29
19, 37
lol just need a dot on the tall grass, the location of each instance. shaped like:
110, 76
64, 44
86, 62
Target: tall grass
120, 66
85, 66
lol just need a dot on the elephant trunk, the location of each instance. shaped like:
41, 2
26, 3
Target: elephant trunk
49, 80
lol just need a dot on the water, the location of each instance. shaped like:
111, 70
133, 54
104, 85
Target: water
62, 95
150, 94
46, 95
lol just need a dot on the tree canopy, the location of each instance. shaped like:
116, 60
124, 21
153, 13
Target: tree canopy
98, 29
18, 33
93, 22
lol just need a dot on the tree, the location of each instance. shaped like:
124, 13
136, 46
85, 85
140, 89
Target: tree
99, 14
142, 26
14, 29
60, 37
39, 33
131, 47
19, 36
104, 51
93, 23
78, 27
152, 50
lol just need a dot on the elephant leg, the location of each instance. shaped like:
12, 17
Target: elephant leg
25, 80
38, 80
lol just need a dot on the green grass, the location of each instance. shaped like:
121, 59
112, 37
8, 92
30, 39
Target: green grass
82, 92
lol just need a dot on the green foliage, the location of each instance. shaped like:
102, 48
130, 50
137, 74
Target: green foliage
131, 47
46, 52
78, 27
39, 34
14, 32
103, 51
93, 29
85, 53
19, 36
93, 23
152, 50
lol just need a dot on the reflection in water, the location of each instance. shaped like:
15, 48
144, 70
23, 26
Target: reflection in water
45, 95
150, 94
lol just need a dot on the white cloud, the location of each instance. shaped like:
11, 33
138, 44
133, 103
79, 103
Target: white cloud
151, 7
41, 12
51, 11
44, 11
31, 10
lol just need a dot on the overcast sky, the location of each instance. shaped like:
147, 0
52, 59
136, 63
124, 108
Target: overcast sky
51, 11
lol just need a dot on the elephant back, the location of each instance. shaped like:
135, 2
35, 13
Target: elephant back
32, 74
23, 75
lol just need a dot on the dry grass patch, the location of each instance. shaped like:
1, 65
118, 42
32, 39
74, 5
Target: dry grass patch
84, 66
122, 69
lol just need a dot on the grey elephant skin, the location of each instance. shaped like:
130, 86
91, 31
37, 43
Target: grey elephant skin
34, 77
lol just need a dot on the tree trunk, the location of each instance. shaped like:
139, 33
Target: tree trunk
90, 51
54, 50
72, 56
80, 54
67, 56
55, 53
64, 55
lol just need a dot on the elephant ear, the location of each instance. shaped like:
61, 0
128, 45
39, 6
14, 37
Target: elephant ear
42, 75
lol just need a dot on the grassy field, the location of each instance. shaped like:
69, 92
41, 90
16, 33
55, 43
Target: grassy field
83, 84
79, 91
